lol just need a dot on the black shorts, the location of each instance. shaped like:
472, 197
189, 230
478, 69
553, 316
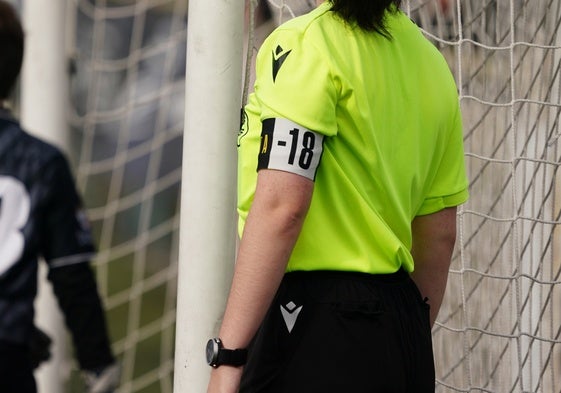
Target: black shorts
339, 332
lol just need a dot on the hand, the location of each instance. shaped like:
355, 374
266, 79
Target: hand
225, 379
104, 380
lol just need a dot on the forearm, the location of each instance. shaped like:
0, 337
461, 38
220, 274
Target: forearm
433, 243
77, 295
259, 270
431, 278
271, 230
260, 266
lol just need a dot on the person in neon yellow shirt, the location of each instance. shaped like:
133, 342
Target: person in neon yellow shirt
351, 168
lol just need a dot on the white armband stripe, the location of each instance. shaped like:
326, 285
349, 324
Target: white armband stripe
290, 147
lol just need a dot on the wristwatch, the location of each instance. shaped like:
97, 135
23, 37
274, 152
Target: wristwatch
217, 355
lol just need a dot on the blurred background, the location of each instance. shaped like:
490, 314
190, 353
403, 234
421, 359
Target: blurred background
127, 107
126, 93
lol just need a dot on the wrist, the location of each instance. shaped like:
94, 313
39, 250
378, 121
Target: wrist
225, 379
217, 355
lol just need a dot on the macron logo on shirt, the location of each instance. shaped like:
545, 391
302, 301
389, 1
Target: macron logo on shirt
279, 56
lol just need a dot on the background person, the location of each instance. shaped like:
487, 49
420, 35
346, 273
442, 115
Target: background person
41, 215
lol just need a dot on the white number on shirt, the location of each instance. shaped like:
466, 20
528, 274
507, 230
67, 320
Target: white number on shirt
14, 212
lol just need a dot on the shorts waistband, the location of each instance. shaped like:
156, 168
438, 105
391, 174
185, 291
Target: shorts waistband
398, 276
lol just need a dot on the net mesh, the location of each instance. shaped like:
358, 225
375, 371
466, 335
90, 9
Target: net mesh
127, 87
502, 302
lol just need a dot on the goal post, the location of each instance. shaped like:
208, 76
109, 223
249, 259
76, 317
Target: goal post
208, 219
44, 100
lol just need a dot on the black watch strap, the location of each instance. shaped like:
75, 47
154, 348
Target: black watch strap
217, 355
232, 357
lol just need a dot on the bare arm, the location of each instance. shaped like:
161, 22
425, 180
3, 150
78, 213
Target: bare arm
434, 236
272, 227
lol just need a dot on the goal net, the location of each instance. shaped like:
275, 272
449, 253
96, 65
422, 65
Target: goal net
499, 329
127, 111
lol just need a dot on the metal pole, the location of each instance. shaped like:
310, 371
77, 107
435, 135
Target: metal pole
208, 219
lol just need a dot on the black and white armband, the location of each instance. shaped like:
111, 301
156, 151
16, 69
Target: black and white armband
289, 147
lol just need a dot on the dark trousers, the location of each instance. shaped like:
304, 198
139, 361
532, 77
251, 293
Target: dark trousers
16, 371
338, 332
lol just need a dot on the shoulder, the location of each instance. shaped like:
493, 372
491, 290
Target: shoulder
301, 30
39, 150
25, 155
307, 20
29, 144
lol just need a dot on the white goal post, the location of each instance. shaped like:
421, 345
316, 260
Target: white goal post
208, 230
44, 87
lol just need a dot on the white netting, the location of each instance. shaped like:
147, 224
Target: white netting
500, 327
127, 90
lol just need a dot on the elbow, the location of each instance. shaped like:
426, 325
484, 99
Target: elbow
288, 218
448, 238
282, 199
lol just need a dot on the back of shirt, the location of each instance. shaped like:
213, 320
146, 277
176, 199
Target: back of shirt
40, 216
393, 146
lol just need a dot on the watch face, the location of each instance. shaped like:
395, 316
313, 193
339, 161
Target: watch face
212, 352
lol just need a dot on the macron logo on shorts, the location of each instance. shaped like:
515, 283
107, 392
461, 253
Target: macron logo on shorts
290, 313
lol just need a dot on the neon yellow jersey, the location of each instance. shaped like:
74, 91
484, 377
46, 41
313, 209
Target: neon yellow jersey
392, 148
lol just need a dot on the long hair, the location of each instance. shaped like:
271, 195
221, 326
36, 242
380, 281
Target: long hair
11, 48
367, 14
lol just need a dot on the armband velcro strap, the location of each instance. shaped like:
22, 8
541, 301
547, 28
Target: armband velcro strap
289, 147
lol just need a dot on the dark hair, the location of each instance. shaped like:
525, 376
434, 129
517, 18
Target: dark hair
11, 48
369, 15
